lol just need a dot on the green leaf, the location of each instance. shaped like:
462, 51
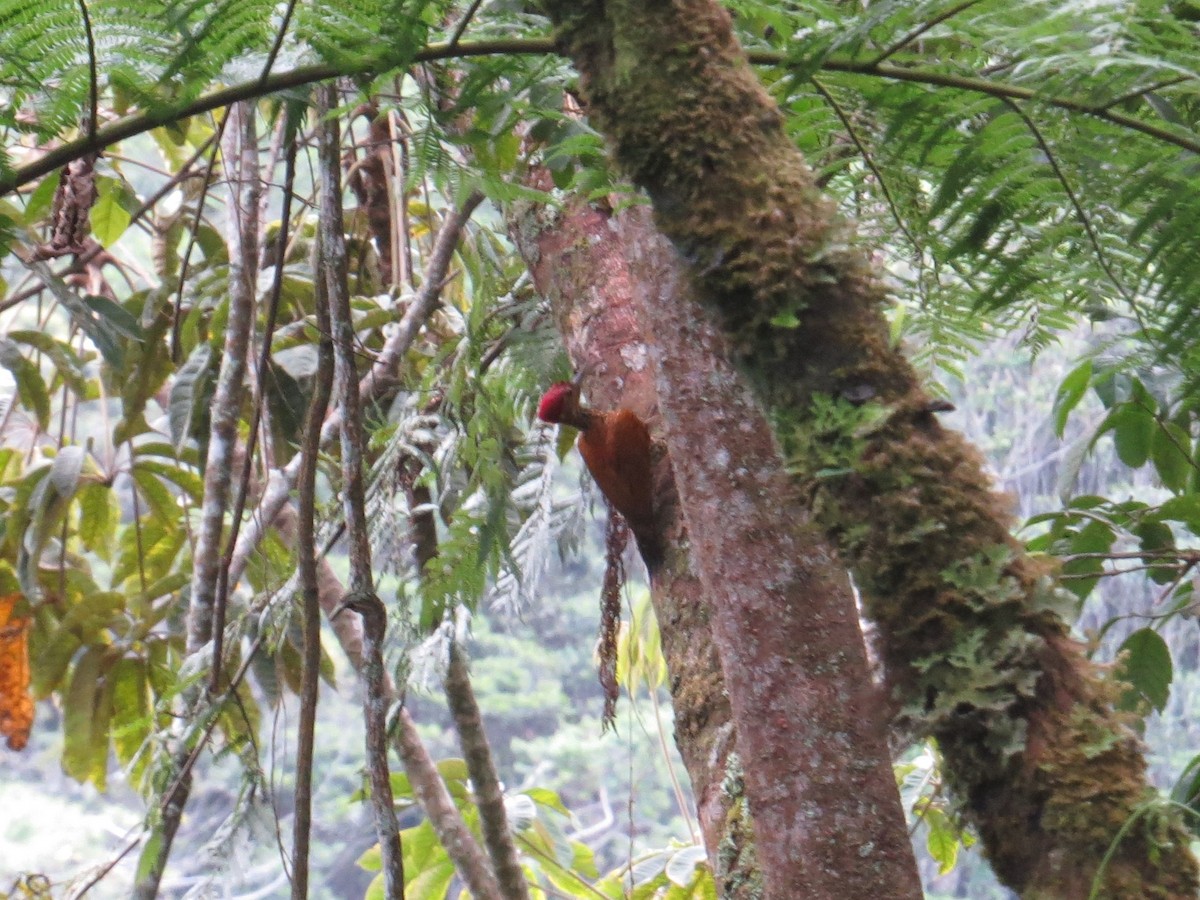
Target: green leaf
548, 798
118, 319
1070, 392
149, 856
942, 841
31, 387
1156, 536
1133, 430
48, 506
1171, 451
186, 392
109, 217
453, 769
64, 358
48, 666
1146, 667
431, 883
681, 868
41, 198
80, 741
372, 859
130, 706
99, 513
566, 440
1185, 509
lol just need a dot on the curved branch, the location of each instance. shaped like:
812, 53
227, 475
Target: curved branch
260, 87
869, 160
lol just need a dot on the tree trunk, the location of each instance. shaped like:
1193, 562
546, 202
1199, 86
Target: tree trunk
976, 657
809, 732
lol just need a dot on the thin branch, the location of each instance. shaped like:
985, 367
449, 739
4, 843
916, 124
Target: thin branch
310, 594
242, 172
380, 377
93, 75
1139, 93
241, 168
489, 797
462, 25
138, 123
921, 29
221, 599
278, 43
452, 832
870, 162
362, 598
1080, 213
177, 312
1182, 556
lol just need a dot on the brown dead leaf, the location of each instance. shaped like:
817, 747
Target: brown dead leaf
16, 702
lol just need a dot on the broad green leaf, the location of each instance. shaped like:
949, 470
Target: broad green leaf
421, 848
548, 798
64, 358
41, 198
1070, 392
1171, 452
431, 883
1185, 509
371, 859
565, 441
93, 612
181, 476
48, 667
149, 856
453, 769
48, 506
1146, 668
130, 706
186, 392
1133, 430
117, 319
99, 513
80, 742
942, 841
109, 217
31, 387
1156, 536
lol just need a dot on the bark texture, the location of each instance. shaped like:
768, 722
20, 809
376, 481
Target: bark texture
976, 655
576, 263
811, 763
811, 723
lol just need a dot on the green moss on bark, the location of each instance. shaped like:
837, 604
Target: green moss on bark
977, 658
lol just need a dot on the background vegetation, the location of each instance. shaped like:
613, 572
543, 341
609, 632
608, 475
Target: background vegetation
1025, 174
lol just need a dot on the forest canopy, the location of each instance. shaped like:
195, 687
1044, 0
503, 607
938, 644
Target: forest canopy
281, 286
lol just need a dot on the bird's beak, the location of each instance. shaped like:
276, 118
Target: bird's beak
577, 380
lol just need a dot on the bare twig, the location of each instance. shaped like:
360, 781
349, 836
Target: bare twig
362, 598
221, 598
489, 797
921, 29
310, 592
241, 161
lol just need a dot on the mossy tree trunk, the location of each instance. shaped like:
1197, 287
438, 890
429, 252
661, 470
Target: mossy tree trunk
975, 653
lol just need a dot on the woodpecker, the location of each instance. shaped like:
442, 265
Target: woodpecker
616, 448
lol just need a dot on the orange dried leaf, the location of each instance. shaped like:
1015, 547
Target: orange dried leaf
16, 702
